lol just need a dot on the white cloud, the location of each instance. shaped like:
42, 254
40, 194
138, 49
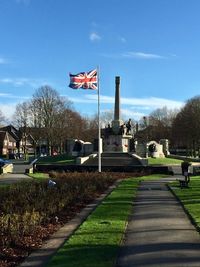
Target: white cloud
129, 113
10, 96
17, 82
94, 37
142, 55
141, 108
152, 102
5, 95
94, 24
122, 39
149, 103
3, 61
81, 100
172, 55
8, 109
93, 99
134, 55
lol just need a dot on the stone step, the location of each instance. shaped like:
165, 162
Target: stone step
115, 154
113, 161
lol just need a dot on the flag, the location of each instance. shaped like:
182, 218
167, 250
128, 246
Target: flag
84, 80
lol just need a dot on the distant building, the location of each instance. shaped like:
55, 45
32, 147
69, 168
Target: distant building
15, 142
7, 144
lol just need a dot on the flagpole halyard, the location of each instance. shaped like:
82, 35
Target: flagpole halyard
99, 126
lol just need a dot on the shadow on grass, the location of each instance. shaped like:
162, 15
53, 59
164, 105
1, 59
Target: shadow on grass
87, 254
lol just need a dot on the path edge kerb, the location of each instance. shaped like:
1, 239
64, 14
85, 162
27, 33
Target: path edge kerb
41, 256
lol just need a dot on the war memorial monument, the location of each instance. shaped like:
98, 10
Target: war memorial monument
118, 144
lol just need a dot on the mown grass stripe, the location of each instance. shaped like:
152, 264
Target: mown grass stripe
97, 241
190, 198
163, 161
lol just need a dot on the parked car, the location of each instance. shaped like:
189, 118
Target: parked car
16, 156
12, 156
19, 155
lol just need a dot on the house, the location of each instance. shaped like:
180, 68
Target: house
27, 142
31, 140
14, 133
24, 142
7, 144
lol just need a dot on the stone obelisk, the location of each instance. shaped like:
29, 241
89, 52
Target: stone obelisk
117, 122
115, 137
117, 99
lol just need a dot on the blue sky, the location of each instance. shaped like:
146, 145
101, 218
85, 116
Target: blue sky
153, 45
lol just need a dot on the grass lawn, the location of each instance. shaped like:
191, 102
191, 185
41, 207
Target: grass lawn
163, 161
190, 197
59, 159
64, 159
97, 241
153, 177
4, 185
39, 175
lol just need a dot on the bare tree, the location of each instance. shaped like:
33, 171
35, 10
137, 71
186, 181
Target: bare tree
50, 118
21, 119
2, 118
47, 106
163, 116
160, 122
91, 128
69, 124
157, 125
106, 117
21, 116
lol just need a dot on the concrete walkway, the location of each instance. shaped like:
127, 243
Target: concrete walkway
10, 178
18, 173
159, 232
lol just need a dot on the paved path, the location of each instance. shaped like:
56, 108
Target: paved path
18, 174
9, 178
159, 232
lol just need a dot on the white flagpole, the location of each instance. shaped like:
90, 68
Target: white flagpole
99, 126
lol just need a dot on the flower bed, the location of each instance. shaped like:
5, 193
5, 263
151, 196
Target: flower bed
31, 211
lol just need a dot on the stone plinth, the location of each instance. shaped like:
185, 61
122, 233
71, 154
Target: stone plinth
165, 143
117, 143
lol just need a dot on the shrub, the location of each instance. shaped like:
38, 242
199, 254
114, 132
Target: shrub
26, 205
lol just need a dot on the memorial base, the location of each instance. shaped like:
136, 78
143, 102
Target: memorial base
117, 143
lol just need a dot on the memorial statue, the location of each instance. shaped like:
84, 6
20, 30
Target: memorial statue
128, 127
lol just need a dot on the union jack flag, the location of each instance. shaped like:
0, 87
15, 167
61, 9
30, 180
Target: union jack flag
84, 80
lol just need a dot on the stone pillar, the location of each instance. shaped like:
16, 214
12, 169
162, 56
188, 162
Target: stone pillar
117, 99
165, 143
116, 123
